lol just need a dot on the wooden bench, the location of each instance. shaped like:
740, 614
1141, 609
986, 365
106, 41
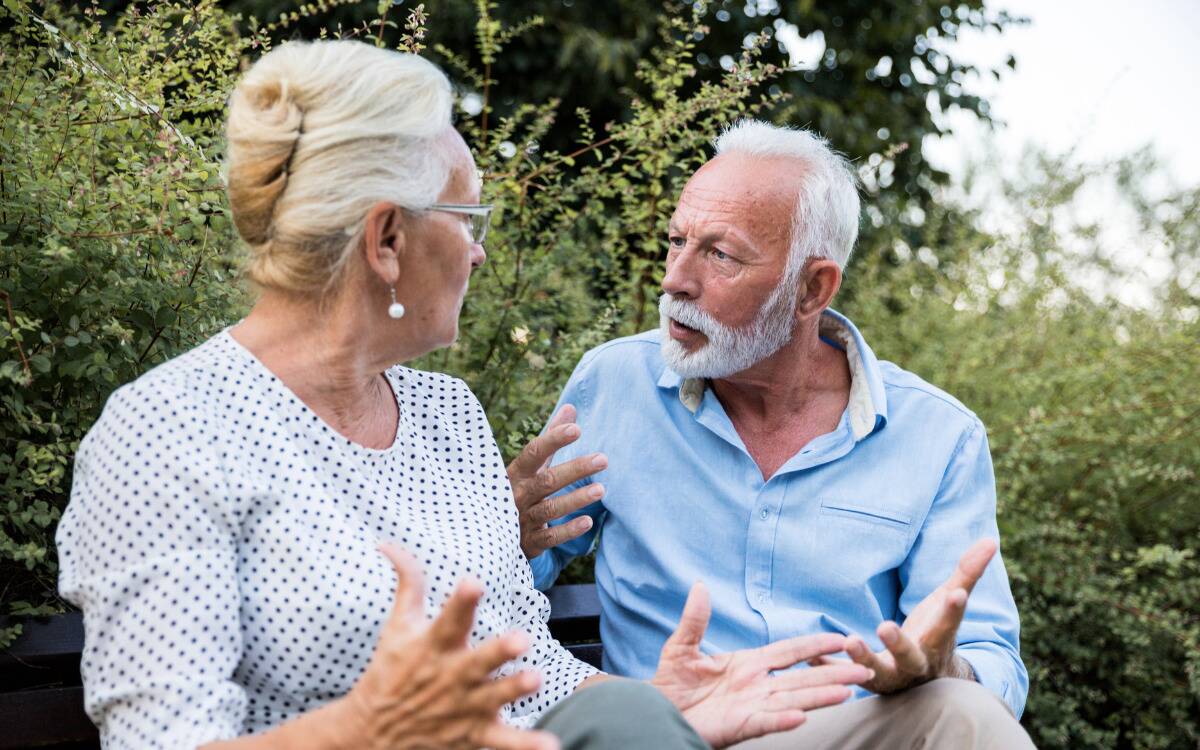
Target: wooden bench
41, 699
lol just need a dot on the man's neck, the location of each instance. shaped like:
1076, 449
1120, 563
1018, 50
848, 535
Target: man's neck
786, 385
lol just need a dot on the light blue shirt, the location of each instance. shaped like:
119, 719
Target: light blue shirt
856, 528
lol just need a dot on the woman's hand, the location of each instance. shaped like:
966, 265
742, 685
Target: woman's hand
734, 697
426, 688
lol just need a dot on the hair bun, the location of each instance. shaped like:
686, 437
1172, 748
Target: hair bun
264, 127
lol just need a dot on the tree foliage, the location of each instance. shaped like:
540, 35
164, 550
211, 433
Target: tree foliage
119, 253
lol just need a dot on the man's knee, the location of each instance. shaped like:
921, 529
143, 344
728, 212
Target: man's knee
969, 713
620, 713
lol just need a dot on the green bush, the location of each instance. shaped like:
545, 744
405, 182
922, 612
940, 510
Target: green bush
118, 253
116, 242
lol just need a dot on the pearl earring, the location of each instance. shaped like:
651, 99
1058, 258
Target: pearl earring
395, 310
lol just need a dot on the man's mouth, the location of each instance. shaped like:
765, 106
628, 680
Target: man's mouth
681, 332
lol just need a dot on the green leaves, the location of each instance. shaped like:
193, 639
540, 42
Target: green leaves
115, 245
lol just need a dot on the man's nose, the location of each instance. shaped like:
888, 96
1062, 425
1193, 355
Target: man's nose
478, 255
681, 279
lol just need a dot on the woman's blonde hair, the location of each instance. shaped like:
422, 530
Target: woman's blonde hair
318, 132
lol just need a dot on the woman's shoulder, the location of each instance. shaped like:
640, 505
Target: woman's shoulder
433, 386
170, 393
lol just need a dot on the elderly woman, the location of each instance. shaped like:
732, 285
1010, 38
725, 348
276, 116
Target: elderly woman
229, 507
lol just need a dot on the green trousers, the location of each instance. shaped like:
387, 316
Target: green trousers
620, 714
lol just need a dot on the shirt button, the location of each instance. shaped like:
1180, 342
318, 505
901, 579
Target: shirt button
764, 513
762, 597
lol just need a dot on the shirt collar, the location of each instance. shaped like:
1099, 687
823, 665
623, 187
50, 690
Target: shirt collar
868, 402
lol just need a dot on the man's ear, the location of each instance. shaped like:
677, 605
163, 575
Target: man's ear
820, 282
384, 240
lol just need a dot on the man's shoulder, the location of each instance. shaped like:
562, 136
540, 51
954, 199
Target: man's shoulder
628, 354
908, 391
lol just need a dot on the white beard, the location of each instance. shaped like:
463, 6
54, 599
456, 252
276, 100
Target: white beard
729, 350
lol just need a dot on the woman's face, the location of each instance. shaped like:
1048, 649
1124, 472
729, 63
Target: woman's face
440, 255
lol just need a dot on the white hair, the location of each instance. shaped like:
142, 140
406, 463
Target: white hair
318, 132
825, 222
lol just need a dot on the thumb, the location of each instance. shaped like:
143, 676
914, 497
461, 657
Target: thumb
409, 605
694, 620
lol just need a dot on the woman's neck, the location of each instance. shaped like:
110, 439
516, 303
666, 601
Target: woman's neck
322, 355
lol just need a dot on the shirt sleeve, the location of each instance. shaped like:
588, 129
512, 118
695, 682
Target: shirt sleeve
561, 672
963, 512
550, 563
147, 551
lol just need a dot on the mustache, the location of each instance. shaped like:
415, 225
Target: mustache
688, 313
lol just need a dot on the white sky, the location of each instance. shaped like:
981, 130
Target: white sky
1104, 77
1101, 78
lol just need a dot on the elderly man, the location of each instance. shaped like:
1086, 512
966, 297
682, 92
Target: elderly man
755, 442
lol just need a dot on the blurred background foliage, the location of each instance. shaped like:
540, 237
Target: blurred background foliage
587, 118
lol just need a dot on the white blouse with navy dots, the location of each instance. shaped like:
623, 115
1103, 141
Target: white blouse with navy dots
222, 540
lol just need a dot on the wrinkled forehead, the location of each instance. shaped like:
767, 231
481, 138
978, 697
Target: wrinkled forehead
755, 194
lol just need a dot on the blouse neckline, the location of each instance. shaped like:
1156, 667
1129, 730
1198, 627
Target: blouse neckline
393, 375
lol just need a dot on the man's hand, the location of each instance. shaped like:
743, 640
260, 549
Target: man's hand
533, 480
734, 697
923, 649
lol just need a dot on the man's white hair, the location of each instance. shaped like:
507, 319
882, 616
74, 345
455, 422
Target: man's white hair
825, 222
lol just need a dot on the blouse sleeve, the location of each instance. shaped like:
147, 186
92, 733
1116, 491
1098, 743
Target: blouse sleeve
147, 549
529, 608
561, 672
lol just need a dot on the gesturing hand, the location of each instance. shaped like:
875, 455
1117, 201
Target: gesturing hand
426, 688
533, 480
734, 697
923, 649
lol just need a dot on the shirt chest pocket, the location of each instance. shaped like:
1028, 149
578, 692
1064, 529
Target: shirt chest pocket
835, 510
869, 538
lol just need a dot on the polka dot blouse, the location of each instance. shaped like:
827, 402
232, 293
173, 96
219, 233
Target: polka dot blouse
221, 541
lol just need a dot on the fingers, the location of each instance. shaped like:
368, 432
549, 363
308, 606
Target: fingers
538, 452
501, 692
564, 416
552, 536
844, 673
552, 479
453, 624
694, 620
908, 655
556, 507
783, 654
501, 737
769, 722
478, 664
942, 632
409, 604
860, 653
971, 565
808, 699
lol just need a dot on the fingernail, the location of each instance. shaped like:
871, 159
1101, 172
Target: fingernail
585, 522
596, 491
571, 431
870, 674
600, 461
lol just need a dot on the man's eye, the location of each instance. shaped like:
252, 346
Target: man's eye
677, 241
719, 255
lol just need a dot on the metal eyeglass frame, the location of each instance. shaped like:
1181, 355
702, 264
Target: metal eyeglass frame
480, 216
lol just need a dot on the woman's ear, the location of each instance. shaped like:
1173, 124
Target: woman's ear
821, 281
384, 240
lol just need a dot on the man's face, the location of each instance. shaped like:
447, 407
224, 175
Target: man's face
729, 295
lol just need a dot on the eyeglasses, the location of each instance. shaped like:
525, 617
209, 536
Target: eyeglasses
479, 215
